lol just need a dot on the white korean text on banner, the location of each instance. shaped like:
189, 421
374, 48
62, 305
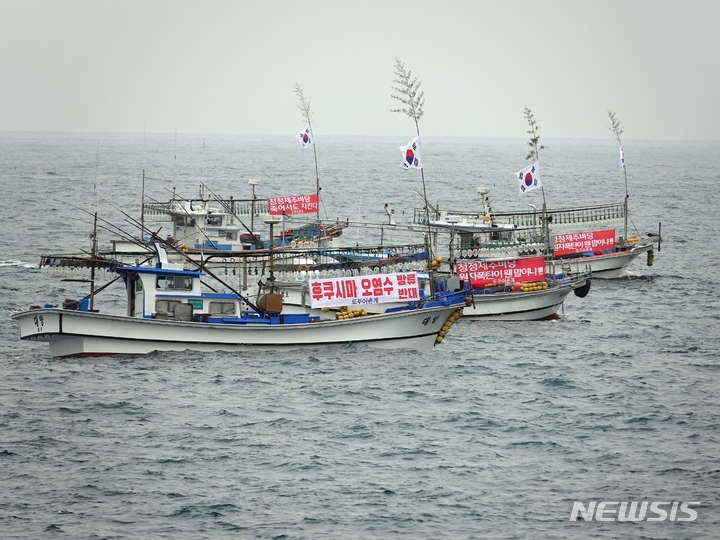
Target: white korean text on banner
294, 204
482, 273
363, 290
568, 244
411, 155
529, 178
305, 137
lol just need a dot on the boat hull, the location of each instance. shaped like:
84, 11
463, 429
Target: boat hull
519, 306
78, 333
612, 265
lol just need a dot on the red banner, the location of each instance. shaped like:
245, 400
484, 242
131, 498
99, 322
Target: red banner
568, 244
513, 271
294, 204
359, 290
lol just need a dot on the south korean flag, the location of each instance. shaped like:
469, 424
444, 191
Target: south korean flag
411, 155
529, 178
305, 137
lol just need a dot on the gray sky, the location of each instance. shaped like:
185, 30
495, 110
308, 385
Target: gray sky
211, 66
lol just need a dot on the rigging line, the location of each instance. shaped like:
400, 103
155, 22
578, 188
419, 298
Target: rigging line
112, 228
114, 280
229, 209
202, 266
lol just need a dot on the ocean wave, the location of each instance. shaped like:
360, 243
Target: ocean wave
22, 264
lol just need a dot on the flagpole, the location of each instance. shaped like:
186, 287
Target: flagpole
627, 196
535, 152
304, 106
317, 172
428, 243
617, 129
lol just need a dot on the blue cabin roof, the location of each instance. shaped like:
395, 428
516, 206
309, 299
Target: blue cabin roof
159, 271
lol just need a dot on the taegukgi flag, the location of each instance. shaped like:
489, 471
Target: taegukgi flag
305, 137
411, 155
529, 178
622, 157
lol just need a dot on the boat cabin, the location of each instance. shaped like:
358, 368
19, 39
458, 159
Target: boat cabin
167, 291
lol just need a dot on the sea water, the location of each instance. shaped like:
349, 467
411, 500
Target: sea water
496, 433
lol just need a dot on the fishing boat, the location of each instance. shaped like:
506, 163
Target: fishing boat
210, 229
512, 297
167, 310
584, 234
505, 290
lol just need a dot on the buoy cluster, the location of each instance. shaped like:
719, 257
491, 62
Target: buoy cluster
650, 257
184, 248
448, 325
346, 313
534, 286
434, 264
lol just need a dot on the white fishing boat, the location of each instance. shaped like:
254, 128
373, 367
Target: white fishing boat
502, 290
588, 235
168, 311
540, 300
215, 230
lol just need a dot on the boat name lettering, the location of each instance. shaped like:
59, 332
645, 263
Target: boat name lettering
430, 320
39, 322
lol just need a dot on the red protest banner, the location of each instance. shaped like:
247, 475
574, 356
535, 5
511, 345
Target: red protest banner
481, 273
293, 204
568, 244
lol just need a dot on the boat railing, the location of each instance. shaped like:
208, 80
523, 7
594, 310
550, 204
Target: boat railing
575, 216
163, 211
157, 211
565, 216
247, 207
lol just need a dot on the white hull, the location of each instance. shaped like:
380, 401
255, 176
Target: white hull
502, 306
613, 265
519, 306
77, 333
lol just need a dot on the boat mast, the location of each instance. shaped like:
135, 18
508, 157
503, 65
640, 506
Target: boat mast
142, 205
94, 251
413, 99
307, 112
617, 129
535, 153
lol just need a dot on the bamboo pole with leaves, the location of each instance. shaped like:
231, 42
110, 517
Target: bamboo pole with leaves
408, 93
617, 130
534, 153
308, 114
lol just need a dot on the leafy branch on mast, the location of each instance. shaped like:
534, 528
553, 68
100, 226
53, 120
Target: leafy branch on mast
534, 135
615, 126
304, 104
408, 93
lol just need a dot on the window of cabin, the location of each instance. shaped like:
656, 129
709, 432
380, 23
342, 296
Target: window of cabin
174, 283
214, 221
165, 306
222, 308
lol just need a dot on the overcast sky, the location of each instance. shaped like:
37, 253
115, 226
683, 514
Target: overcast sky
212, 66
